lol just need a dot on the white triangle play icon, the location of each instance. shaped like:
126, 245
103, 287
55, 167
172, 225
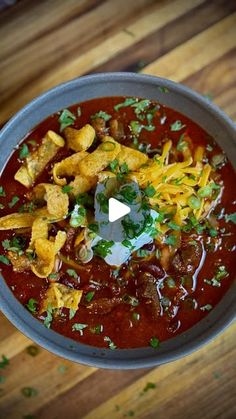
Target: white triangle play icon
117, 209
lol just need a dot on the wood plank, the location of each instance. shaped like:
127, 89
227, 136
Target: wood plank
164, 39
46, 379
196, 53
74, 65
199, 377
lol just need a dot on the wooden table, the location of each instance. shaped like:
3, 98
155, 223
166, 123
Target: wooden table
46, 42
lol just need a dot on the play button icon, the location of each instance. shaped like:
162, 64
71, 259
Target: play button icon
117, 210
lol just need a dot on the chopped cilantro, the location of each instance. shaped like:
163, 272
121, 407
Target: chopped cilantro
194, 202
124, 168
67, 188
182, 144
140, 107
110, 343
2, 192
93, 227
142, 253
128, 193
220, 274
48, 319
85, 199
72, 273
66, 119
209, 147
31, 305
29, 392
207, 307
14, 201
127, 102
171, 240
136, 127
149, 386
53, 276
127, 243
4, 362
150, 191
72, 313
103, 248
89, 296
177, 126
154, 342
78, 216
32, 350
79, 327
101, 114
231, 217
16, 244
163, 89
174, 226
103, 202
5, 260
114, 165
24, 151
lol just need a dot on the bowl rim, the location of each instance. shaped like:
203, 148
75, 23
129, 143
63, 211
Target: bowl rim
120, 358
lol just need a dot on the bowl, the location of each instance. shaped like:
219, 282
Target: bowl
178, 97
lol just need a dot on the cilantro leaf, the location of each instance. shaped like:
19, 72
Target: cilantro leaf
2, 192
127, 102
111, 344
89, 296
14, 201
24, 151
231, 217
79, 327
72, 273
5, 260
103, 248
31, 305
154, 342
67, 188
101, 114
177, 126
66, 119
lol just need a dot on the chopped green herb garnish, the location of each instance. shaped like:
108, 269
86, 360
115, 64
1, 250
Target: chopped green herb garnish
182, 144
128, 193
14, 201
2, 192
103, 248
32, 142
154, 342
48, 319
53, 276
103, 202
149, 386
127, 243
32, 350
78, 216
174, 226
124, 169
127, 102
85, 199
209, 148
207, 307
16, 244
66, 119
29, 392
231, 217
101, 114
5, 260
194, 202
31, 305
93, 227
220, 274
177, 126
4, 362
79, 327
171, 240
129, 299
24, 151
170, 282
150, 191
72, 273
114, 165
67, 188
89, 296
136, 127
142, 253
72, 313
163, 89
110, 343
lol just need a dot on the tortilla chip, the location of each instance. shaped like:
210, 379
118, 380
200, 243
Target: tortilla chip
133, 158
36, 161
59, 296
16, 220
100, 158
57, 201
39, 230
82, 184
67, 167
46, 251
79, 140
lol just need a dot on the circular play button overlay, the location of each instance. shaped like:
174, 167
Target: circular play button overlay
120, 213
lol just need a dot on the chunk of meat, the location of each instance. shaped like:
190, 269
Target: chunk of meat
148, 290
116, 129
99, 124
70, 237
20, 263
187, 258
103, 305
153, 269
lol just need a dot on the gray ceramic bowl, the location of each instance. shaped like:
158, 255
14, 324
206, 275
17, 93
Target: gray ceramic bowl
179, 97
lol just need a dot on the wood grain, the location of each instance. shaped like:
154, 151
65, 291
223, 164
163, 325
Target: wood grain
45, 43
